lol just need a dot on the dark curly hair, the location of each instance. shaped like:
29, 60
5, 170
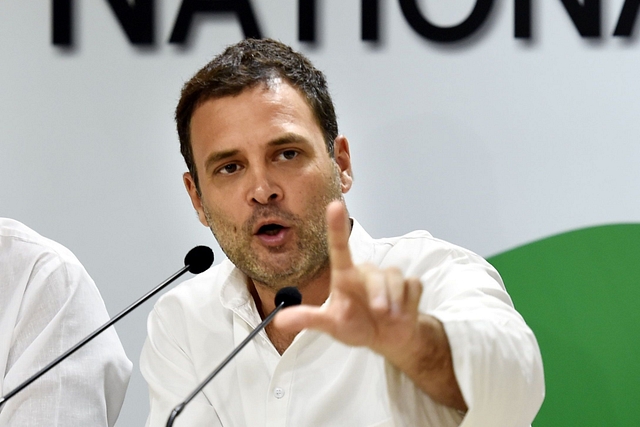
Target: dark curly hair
244, 65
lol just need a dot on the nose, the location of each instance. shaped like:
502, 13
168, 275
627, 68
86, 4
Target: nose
264, 189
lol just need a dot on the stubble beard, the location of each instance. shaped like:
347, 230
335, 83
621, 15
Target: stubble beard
307, 261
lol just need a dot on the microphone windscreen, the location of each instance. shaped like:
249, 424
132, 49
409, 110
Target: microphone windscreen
199, 259
289, 296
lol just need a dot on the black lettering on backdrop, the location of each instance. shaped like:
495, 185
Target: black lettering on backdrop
136, 20
61, 22
136, 17
242, 8
370, 14
445, 34
307, 20
522, 19
627, 18
585, 16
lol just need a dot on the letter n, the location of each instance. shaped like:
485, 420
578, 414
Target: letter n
627, 18
585, 16
136, 20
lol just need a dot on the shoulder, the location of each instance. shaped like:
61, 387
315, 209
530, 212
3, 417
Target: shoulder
44, 273
417, 246
446, 270
420, 254
193, 311
22, 246
35, 265
196, 293
422, 243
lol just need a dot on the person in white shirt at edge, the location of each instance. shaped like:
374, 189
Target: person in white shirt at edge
48, 303
405, 331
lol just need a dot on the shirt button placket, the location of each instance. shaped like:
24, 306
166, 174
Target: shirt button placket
279, 392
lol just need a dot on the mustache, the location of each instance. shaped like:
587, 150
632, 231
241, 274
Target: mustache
273, 212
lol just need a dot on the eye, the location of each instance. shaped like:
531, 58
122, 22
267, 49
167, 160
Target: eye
228, 169
289, 154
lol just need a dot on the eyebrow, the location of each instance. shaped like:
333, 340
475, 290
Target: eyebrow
287, 138
218, 156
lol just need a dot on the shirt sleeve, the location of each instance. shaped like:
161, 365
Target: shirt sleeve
54, 305
170, 376
496, 358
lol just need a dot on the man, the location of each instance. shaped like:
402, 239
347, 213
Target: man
48, 303
404, 331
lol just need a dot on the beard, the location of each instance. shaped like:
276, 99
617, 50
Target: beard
278, 267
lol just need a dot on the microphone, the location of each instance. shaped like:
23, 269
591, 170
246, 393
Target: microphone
285, 297
196, 261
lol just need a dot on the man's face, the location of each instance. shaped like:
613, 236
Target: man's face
265, 180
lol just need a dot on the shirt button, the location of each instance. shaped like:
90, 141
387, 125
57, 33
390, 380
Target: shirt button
278, 392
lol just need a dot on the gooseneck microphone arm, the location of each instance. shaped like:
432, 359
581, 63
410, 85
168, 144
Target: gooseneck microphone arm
197, 260
284, 298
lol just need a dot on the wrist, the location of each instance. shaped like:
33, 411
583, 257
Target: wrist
426, 360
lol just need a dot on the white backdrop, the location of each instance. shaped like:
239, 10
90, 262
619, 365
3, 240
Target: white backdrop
489, 143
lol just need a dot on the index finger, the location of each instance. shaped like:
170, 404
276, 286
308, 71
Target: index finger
338, 236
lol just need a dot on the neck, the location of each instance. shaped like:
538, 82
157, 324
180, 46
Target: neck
314, 292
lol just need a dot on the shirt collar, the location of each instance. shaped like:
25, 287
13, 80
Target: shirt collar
360, 244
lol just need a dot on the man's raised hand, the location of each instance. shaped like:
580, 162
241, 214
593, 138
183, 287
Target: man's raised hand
368, 306
378, 308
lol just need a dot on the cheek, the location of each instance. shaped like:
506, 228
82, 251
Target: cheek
225, 219
306, 191
316, 193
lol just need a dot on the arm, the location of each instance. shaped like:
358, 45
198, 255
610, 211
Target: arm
54, 305
426, 341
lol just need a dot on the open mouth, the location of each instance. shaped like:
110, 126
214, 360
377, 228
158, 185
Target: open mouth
270, 229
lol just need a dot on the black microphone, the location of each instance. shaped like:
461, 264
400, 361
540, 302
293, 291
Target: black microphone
285, 297
197, 260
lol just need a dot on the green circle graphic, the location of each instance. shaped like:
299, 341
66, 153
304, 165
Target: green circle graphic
579, 293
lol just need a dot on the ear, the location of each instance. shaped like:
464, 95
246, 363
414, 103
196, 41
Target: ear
342, 157
196, 201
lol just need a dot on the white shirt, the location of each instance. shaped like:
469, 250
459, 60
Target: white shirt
48, 303
319, 381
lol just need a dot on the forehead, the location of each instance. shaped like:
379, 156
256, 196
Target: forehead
257, 114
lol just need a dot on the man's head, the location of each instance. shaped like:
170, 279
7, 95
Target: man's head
245, 65
265, 168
